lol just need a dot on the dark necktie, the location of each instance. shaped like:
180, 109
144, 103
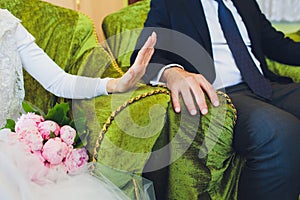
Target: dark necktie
255, 80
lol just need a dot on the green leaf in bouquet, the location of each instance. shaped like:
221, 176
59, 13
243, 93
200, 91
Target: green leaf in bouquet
29, 107
52, 135
59, 114
10, 123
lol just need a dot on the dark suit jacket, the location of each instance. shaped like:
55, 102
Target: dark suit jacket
187, 17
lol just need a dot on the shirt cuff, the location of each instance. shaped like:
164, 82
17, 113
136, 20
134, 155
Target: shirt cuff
101, 86
156, 80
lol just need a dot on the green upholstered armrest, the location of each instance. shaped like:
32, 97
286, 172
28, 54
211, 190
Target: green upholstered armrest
123, 129
132, 127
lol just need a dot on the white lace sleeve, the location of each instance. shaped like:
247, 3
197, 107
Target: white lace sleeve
11, 76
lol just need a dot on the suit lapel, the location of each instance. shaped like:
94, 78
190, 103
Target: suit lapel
195, 10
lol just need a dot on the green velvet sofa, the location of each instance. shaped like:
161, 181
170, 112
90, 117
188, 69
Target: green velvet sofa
214, 176
125, 132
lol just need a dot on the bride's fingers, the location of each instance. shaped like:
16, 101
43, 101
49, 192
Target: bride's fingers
140, 57
137, 70
145, 56
149, 44
151, 41
148, 56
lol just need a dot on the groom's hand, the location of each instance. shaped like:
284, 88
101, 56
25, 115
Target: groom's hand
190, 86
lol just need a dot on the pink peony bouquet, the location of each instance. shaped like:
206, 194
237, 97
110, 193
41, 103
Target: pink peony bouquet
51, 143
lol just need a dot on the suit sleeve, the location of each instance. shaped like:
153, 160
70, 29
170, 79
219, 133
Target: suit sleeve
158, 21
276, 46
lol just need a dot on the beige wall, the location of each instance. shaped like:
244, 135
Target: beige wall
96, 9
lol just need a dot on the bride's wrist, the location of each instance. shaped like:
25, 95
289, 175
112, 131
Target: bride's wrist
112, 85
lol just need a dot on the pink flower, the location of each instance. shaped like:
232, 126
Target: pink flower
54, 151
26, 120
31, 138
49, 155
46, 127
76, 159
67, 134
25, 124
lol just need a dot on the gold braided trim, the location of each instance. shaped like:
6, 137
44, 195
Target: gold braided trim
126, 104
111, 55
137, 98
116, 112
93, 23
106, 46
112, 59
136, 191
108, 52
230, 104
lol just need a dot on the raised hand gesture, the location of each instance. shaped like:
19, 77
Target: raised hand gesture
136, 71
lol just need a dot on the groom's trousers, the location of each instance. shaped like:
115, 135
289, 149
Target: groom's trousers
267, 134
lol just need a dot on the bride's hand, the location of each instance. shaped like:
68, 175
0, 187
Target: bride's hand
136, 71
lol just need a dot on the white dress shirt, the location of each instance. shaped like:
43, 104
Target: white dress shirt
227, 72
54, 79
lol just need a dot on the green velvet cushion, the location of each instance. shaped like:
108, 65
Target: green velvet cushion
286, 70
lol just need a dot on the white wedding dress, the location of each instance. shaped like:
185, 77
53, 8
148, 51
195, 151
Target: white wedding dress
17, 168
